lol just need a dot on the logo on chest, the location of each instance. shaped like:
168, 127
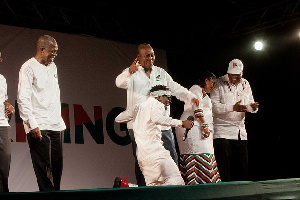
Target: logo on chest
158, 78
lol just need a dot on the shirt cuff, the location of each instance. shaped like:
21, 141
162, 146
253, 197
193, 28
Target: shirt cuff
177, 123
32, 124
128, 73
228, 108
124, 116
250, 109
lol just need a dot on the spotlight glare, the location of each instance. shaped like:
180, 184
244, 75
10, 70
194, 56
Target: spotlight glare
258, 45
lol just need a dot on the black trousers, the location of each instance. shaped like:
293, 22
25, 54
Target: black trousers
232, 159
5, 157
47, 159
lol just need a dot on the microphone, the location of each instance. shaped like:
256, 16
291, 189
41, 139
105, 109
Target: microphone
187, 130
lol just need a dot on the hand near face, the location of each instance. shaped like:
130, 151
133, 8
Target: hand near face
134, 66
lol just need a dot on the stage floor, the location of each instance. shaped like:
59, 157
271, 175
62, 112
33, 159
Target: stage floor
244, 190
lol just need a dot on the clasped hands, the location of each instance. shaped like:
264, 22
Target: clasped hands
243, 108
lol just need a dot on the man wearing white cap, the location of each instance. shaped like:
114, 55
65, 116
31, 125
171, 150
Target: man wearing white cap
232, 98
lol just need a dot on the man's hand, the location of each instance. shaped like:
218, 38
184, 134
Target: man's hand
9, 109
254, 106
239, 108
36, 133
134, 66
196, 102
188, 124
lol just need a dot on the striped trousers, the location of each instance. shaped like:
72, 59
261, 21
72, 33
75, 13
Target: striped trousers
199, 168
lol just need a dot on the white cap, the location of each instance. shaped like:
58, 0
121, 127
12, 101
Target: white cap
235, 67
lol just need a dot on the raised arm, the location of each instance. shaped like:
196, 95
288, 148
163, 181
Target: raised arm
122, 79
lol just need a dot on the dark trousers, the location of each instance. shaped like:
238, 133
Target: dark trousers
232, 159
47, 159
168, 143
140, 180
5, 158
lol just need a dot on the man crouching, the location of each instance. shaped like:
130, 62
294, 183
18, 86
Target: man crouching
155, 161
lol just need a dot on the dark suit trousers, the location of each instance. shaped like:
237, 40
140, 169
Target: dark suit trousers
47, 159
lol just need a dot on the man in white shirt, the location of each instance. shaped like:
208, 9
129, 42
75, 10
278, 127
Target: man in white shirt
6, 110
138, 79
232, 98
40, 108
154, 160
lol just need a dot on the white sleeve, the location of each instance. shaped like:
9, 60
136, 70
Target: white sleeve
195, 90
218, 106
122, 79
250, 100
125, 116
158, 116
24, 97
178, 91
5, 88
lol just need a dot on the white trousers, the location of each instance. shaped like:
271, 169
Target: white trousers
161, 169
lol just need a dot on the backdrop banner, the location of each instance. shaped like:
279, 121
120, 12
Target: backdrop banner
95, 148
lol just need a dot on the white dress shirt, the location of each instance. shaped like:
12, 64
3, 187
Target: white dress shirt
147, 128
3, 97
39, 96
195, 143
228, 123
139, 84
